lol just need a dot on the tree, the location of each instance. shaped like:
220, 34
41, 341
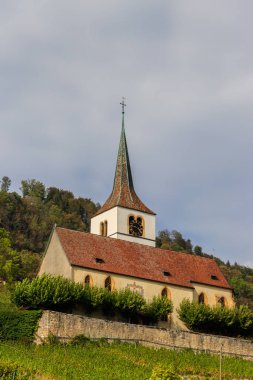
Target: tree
61, 198
173, 240
178, 241
188, 245
14, 265
198, 250
5, 184
242, 289
9, 258
29, 265
31, 217
33, 188
163, 239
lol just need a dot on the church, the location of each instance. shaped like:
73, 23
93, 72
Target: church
119, 252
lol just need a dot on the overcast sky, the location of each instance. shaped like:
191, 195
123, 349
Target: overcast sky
186, 70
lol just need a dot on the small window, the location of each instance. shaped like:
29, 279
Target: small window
98, 260
214, 277
221, 301
102, 229
105, 228
202, 299
166, 294
88, 280
167, 274
109, 285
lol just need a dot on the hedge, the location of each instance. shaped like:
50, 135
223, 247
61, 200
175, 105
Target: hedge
58, 293
18, 325
217, 320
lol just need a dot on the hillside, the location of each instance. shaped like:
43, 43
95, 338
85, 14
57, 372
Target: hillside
99, 360
102, 360
29, 217
26, 221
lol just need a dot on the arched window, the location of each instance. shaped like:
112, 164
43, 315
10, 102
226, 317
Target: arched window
166, 293
102, 228
109, 284
203, 298
88, 280
130, 222
135, 226
221, 301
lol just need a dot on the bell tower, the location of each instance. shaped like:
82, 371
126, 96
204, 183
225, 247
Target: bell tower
124, 215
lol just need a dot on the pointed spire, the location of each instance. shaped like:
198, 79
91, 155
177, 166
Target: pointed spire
123, 193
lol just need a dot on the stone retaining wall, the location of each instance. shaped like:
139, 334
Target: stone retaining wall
67, 326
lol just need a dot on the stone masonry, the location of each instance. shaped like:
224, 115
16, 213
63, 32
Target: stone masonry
66, 326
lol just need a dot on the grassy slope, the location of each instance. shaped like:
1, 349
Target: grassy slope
117, 361
100, 360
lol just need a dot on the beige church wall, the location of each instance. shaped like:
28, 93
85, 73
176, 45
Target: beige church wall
55, 261
212, 294
147, 288
110, 216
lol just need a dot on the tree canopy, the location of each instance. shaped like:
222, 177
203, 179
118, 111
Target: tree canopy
30, 217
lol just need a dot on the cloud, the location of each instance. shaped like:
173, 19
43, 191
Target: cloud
186, 69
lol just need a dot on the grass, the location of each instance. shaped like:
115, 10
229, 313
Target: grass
100, 360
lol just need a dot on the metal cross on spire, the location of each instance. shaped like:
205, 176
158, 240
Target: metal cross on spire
123, 104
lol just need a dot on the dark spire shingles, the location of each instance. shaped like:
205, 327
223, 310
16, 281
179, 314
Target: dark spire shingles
123, 193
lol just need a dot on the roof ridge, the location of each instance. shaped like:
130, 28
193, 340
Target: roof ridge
141, 244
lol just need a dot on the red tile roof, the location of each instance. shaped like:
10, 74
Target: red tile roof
138, 260
123, 193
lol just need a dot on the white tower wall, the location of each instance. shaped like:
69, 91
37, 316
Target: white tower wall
117, 225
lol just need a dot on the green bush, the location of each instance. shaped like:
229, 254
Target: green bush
158, 308
217, 320
245, 318
90, 298
46, 292
129, 303
109, 302
18, 325
58, 293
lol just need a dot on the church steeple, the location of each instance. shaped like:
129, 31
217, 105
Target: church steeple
124, 215
123, 193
